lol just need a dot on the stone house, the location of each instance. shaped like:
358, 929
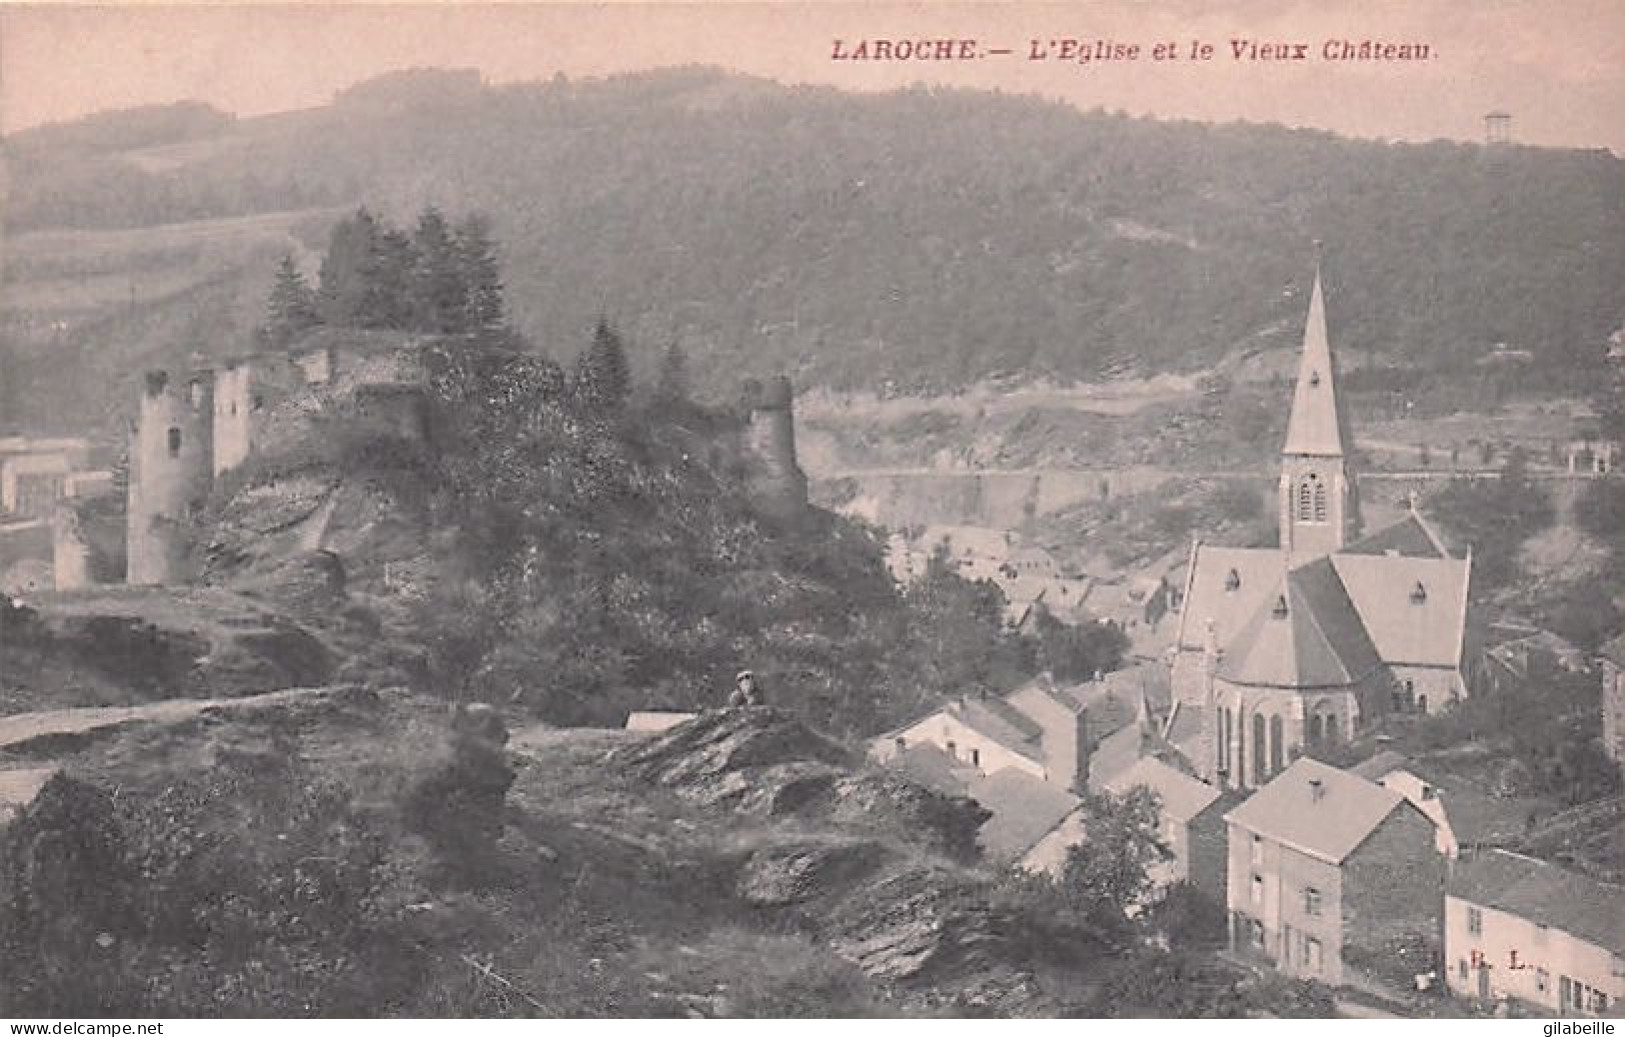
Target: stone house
1333, 878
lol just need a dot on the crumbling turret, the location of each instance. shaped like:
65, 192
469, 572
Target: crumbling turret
772, 475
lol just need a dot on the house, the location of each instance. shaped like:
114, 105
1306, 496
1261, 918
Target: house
982, 733
1465, 816
1191, 825
1024, 810
1283, 648
1522, 929
1334, 878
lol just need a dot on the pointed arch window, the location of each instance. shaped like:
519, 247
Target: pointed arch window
1232, 581
1280, 607
1419, 594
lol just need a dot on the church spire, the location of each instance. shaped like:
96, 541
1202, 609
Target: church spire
1320, 510
1316, 426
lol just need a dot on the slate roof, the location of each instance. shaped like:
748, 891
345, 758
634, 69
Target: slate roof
1025, 809
1380, 765
1330, 827
1317, 426
1306, 635
1113, 755
927, 764
1210, 596
1543, 893
1410, 537
1414, 609
1181, 796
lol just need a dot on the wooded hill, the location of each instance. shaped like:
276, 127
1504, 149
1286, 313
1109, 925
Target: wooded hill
931, 237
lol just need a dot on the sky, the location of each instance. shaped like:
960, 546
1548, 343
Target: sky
1557, 66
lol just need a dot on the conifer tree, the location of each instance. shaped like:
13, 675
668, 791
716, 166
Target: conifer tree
481, 278
344, 281
290, 309
603, 377
439, 291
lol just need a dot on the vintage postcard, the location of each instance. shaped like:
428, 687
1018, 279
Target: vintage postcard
808, 509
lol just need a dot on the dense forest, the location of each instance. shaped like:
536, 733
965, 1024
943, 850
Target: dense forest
930, 238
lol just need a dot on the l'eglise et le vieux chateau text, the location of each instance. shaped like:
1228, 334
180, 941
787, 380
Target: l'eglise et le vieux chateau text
1085, 50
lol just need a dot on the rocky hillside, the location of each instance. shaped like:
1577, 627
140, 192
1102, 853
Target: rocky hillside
362, 853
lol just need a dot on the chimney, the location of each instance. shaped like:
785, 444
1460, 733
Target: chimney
1317, 790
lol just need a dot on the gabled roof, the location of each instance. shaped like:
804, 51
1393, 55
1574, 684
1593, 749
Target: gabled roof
1306, 635
1329, 824
1025, 809
1380, 766
926, 764
1317, 426
1410, 537
1413, 609
1181, 796
1115, 754
1226, 586
1543, 893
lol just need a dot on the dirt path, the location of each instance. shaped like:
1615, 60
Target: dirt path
20, 727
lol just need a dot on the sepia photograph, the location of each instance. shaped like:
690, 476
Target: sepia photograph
804, 509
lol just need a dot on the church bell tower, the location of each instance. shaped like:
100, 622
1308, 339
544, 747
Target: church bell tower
1319, 505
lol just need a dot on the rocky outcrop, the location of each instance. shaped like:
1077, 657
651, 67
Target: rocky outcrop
872, 864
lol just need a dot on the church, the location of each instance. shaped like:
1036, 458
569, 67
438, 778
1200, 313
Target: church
1281, 649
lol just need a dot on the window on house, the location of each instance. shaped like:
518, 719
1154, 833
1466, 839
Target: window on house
1256, 933
1320, 502
976, 757
1257, 850
953, 750
1419, 594
1543, 979
1311, 956
1232, 580
1311, 901
1461, 968
174, 442
1475, 921
1258, 890
1306, 499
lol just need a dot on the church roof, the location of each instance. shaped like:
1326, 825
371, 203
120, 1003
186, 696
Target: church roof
1410, 537
1317, 426
1226, 586
1317, 810
1306, 634
1414, 609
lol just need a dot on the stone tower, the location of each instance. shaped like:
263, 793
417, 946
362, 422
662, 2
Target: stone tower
1319, 509
171, 466
772, 475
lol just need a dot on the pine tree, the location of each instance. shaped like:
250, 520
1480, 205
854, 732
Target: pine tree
603, 377
347, 270
290, 309
671, 385
481, 277
439, 290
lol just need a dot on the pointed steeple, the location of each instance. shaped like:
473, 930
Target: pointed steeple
1316, 428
